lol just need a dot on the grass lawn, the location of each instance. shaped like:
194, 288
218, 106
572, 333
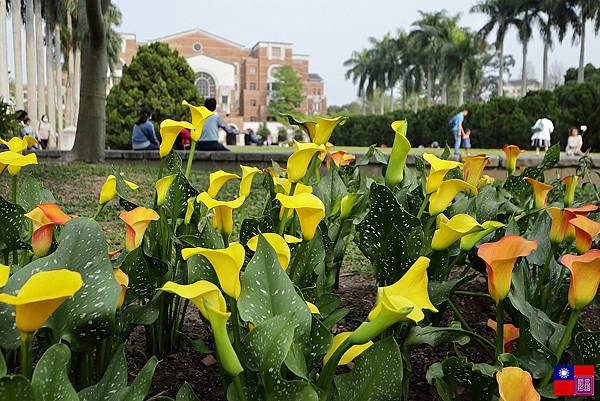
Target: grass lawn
76, 187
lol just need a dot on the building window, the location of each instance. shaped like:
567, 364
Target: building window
252, 69
252, 118
317, 107
253, 102
205, 84
276, 52
252, 86
197, 46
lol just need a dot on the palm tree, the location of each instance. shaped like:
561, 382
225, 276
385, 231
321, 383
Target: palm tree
586, 10
51, 14
526, 14
30, 61
4, 93
358, 72
463, 47
16, 8
39, 49
501, 15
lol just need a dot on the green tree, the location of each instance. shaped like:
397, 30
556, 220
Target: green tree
286, 92
157, 77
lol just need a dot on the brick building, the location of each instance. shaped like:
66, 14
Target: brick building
240, 78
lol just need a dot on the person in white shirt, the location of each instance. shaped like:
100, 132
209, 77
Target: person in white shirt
574, 143
44, 131
540, 134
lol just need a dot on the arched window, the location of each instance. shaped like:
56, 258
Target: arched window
205, 84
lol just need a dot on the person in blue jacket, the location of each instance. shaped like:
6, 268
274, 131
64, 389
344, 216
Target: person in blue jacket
143, 136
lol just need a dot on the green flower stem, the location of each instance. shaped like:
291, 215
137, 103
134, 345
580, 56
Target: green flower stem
235, 326
459, 316
98, 211
328, 371
543, 285
25, 356
284, 218
429, 223
423, 205
564, 342
472, 294
188, 167
500, 328
161, 168
13, 189
237, 382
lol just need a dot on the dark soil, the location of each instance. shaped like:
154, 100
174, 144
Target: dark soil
357, 291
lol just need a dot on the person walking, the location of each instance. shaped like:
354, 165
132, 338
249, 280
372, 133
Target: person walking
44, 131
209, 138
456, 125
574, 143
466, 141
143, 136
541, 134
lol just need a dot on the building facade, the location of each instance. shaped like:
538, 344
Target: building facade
240, 78
512, 88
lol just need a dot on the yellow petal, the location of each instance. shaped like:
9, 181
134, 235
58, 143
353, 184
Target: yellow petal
41, 295
223, 211
324, 128
189, 211
290, 239
284, 186
309, 208
199, 115
109, 189
16, 144
131, 185
349, 355
15, 161
279, 245
169, 129
162, 188
540, 192
347, 204
30, 141
217, 180
313, 308
445, 194
123, 280
248, 174
453, 230
137, 221
473, 168
201, 293
515, 384
585, 277
571, 185
394, 173
299, 160
4, 274
437, 171
468, 241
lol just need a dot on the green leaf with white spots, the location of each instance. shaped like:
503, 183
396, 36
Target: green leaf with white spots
12, 225
31, 193
588, 344
467, 379
14, 388
186, 393
89, 315
179, 192
377, 375
145, 273
3, 369
50, 381
114, 379
330, 190
141, 384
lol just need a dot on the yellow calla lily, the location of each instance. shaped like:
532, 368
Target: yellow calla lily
540, 192
43, 218
217, 180
309, 208
4, 274
313, 308
349, 355
169, 129
290, 239
299, 160
485, 180
394, 173
137, 221
248, 174
199, 115
15, 161
321, 129
109, 189
189, 210
571, 185
123, 280
512, 152
468, 241
445, 194
208, 299
279, 245
438, 170
585, 277
515, 384
473, 168
223, 211
286, 185
41, 295
162, 188
454, 229
18, 145
227, 263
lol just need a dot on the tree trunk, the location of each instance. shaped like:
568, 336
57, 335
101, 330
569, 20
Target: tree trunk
30, 62
91, 123
416, 104
77, 83
445, 93
580, 71
39, 62
381, 101
50, 76
545, 83
4, 93
501, 68
70, 75
17, 28
60, 89
429, 85
524, 71
403, 95
391, 99
461, 84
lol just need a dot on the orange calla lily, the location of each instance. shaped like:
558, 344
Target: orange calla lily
123, 280
340, 158
561, 230
500, 258
515, 384
585, 231
585, 277
511, 152
137, 221
43, 218
511, 333
540, 192
473, 168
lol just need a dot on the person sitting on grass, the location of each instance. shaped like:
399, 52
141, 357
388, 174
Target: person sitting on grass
574, 143
143, 136
209, 139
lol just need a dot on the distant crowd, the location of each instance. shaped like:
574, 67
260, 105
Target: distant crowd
43, 131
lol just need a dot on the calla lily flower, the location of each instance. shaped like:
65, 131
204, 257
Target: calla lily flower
223, 211
320, 130
43, 219
162, 188
485, 180
309, 208
4, 274
272, 172
500, 258
123, 280
445, 194
540, 192
515, 384
340, 158
349, 355
299, 160
227, 263
248, 174
585, 277
323, 154
512, 152
571, 185
169, 129
208, 299
18, 145
313, 308
199, 115
438, 170
137, 221
109, 189
16, 161
279, 245
454, 229
217, 180
286, 185
470, 240
561, 230
189, 210
473, 168
585, 231
347, 204
394, 174
510, 333
41, 295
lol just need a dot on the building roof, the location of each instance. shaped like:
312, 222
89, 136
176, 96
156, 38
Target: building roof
198, 30
314, 77
517, 82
